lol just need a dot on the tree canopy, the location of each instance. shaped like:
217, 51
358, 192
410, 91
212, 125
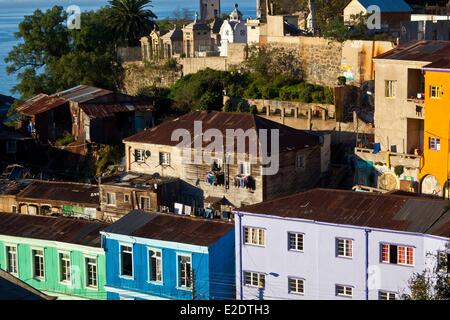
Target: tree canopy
50, 57
131, 19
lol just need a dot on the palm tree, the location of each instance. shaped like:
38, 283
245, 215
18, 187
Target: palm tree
131, 19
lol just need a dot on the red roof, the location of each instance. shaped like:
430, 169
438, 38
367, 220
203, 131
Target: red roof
381, 211
39, 104
424, 51
290, 138
67, 230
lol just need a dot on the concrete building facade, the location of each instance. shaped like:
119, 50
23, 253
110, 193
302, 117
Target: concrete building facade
336, 245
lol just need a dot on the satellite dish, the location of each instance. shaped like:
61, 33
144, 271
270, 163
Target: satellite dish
156, 175
148, 153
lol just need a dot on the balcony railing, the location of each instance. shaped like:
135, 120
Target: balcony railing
395, 158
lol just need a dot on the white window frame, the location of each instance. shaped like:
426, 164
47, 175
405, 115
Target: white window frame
298, 162
16, 259
302, 280
406, 255
345, 248
253, 284
296, 234
390, 87
139, 155
60, 260
388, 295
140, 202
149, 259
345, 288
33, 265
245, 168
434, 143
86, 272
251, 237
179, 256
125, 200
164, 158
398, 252
129, 245
111, 203
218, 161
435, 91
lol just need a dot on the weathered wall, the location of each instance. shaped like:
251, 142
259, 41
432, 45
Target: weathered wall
356, 64
7, 202
324, 60
321, 59
137, 76
193, 65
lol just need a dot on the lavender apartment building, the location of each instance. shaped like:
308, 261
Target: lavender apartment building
334, 244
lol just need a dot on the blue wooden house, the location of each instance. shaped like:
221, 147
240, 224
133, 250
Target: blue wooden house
154, 256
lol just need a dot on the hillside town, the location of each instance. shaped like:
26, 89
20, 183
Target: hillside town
299, 153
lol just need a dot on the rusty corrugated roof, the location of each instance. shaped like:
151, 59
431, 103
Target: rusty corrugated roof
12, 187
82, 93
439, 64
170, 227
68, 192
68, 230
136, 180
39, 104
430, 51
290, 138
383, 211
107, 110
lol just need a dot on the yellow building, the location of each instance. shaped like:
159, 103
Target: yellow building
435, 172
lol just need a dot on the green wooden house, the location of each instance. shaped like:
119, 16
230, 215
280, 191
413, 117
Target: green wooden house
62, 257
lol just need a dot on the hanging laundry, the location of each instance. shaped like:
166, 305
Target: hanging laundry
178, 208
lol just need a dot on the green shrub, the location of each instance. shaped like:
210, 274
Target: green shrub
65, 140
318, 96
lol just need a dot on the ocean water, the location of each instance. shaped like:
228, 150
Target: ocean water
13, 11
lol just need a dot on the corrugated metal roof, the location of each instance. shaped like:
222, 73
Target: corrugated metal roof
387, 5
443, 64
290, 139
108, 110
12, 288
136, 180
82, 93
383, 211
12, 187
59, 229
170, 227
39, 104
69, 192
424, 51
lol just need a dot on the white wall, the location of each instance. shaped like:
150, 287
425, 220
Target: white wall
318, 264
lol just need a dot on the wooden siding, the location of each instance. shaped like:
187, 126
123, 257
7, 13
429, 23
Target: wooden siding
51, 282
